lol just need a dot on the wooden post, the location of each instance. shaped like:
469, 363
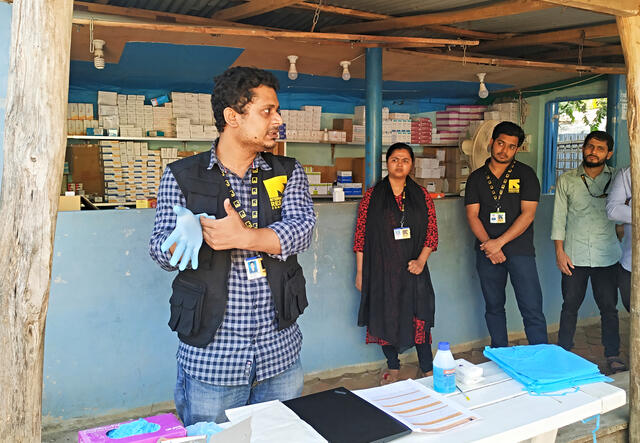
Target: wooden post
629, 28
34, 146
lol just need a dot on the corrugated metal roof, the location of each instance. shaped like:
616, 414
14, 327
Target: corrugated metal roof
537, 21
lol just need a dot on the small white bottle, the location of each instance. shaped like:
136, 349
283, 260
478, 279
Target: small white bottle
444, 369
325, 135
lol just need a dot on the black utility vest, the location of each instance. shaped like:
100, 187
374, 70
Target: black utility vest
199, 298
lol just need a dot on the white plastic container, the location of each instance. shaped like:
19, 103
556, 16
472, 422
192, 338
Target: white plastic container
444, 369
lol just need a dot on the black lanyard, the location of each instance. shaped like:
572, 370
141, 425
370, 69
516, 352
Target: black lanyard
604, 191
498, 196
404, 196
250, 222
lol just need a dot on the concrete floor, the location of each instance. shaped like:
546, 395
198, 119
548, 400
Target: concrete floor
587, 344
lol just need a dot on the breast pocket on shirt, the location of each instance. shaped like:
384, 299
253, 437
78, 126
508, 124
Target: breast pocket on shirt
295, 293
186, 302
200, 202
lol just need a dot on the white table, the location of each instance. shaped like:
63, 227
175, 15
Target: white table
510, 414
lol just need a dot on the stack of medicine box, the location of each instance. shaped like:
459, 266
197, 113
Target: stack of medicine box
421, 131
400, 127
205, 112
453, 123
132, 115
429, 172
345, 181
185, 105
168, 155
108, 115
114, 186
183, 127
302, 125
316, 187
80, 118
503, 112
455, 165
163, 120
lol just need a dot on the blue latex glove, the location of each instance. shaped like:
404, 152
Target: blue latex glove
137, 427
203, 428
188, 238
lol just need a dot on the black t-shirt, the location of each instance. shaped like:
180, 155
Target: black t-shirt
522, 184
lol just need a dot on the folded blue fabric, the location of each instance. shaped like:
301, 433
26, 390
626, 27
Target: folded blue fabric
203, 428
545, 368
137, 427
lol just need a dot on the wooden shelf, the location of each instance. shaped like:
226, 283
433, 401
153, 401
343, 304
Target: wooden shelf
160, 139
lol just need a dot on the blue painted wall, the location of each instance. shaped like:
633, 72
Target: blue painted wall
5, 41
108, 347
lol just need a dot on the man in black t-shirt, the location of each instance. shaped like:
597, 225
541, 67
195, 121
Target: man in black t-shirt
501, 199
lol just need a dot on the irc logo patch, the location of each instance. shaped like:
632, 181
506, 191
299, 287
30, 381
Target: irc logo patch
514, 186
275, 189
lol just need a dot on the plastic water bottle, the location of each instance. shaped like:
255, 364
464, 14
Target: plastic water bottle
444, 369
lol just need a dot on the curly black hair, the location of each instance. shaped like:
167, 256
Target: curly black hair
233, 89
510, 129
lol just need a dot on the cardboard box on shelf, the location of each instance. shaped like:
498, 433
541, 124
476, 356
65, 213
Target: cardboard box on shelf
452, 154
456, 170
433, 185
85, 167
69, 203
346, 125
454, 185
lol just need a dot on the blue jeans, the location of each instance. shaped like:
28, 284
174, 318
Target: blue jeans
523, 274
198, 401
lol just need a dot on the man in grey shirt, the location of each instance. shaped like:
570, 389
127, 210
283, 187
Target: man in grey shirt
586, 245
619, 211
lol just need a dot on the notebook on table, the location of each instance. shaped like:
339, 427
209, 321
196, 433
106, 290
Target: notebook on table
341, 416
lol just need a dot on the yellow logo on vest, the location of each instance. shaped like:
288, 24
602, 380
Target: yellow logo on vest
514, 185
275, 189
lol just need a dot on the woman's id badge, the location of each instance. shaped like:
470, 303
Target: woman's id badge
402, 233
498, 217
254, 268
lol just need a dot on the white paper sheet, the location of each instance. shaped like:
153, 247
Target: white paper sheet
273, 421
420, 408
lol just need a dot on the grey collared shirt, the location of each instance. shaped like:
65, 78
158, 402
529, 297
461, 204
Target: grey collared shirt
580, 220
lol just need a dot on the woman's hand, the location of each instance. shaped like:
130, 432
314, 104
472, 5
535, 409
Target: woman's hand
359, 281
416, 266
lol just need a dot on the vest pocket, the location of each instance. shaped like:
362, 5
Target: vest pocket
186, 305
295, 293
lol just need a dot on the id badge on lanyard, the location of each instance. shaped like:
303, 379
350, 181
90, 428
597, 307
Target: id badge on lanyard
254, 268
498, 217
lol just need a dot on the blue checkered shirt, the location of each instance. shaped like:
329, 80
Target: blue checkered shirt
248, 334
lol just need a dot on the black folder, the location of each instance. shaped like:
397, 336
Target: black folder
341, 416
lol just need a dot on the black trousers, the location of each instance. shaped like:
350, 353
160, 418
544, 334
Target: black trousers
425, 357
624, 284
604, 282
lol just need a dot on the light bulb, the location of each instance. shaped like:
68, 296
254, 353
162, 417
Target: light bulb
293, 72
483, 92
98, 54
346, 75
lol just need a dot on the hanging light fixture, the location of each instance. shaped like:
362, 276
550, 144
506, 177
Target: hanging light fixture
483, 92
346, 75
96, 48
293, 72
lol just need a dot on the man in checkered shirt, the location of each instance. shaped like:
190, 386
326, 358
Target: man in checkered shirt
239, 341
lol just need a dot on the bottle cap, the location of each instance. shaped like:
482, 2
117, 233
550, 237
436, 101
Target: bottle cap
443, 346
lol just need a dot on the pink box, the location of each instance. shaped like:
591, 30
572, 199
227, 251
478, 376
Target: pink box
170, 427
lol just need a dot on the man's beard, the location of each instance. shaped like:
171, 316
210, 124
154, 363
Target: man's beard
497, 160
589, 164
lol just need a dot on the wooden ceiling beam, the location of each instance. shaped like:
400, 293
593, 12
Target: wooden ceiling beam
147, 14
443, 29
586, 53
354, 39
574, 35
528, 64
499, 9
340, 11
251, 9
622, 8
